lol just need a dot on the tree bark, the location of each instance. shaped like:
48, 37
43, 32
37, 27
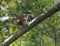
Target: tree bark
33, 23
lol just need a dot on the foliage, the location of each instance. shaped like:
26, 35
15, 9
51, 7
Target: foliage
45, 34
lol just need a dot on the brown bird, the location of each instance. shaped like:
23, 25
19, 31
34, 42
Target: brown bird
23, 20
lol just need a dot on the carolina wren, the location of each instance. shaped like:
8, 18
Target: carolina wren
23, 20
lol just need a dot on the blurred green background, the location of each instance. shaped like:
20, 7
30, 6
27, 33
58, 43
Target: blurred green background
47, 33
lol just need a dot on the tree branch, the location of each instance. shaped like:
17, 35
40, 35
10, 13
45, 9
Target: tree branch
33, 23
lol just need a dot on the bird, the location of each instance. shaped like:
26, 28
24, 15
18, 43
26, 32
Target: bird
23, 20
